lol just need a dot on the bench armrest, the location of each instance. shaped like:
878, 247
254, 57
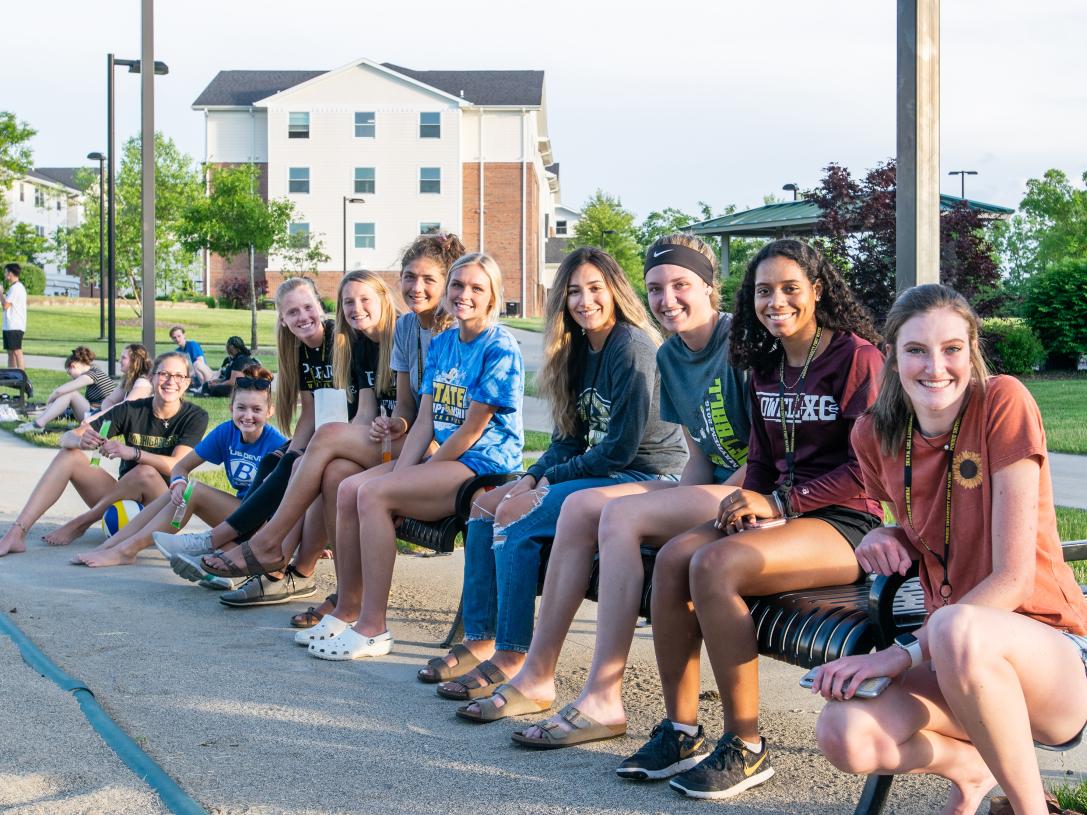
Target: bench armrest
1074, 550
881, 601
468, 490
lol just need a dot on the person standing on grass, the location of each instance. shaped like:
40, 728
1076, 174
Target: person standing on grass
998, 668
14, 304
191, 349
157, 433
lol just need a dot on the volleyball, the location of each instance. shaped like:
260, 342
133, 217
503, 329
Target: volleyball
118, 515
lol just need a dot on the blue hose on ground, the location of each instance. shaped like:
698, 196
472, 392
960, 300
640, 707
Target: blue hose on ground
173, 797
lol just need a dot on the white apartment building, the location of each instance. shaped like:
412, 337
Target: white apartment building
47, 199
373, 155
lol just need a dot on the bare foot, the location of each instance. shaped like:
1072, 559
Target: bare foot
111, 557
966, 795
71, 531
13, 542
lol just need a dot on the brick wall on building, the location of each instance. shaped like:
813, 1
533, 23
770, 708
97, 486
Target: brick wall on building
219, 267
502, 225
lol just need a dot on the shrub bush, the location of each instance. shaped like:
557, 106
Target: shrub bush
1056, 308
33, 278
1010, 346
234, 292
329, 305
211, 302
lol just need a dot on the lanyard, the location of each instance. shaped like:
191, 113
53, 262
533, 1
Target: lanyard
907, 479
788, 430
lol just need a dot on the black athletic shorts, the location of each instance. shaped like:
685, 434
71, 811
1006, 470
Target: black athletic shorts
851, 524
13, 340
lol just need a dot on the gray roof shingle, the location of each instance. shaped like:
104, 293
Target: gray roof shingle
62, 175
243, 88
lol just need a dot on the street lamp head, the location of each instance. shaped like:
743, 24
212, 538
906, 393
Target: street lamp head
963, 172
96, 156
349, 200
790, 188
161, 68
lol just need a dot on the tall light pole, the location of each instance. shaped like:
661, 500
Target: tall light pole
133, 66
793, 188
962, 174
101, 159
347, 199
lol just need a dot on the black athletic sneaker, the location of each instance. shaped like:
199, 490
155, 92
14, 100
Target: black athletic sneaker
668, 751
729, 770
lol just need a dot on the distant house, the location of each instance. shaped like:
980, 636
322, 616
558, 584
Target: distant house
459, 151
47, 198
558, 240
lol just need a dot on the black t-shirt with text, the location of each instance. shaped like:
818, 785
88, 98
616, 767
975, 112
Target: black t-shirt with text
365, 359
142, 429
315, 364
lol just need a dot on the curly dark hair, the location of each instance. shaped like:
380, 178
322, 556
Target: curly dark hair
753, 346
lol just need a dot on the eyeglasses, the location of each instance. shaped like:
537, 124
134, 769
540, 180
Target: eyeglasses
166, 376
251, 383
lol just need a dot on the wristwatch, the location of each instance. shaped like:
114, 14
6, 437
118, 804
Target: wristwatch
910, 644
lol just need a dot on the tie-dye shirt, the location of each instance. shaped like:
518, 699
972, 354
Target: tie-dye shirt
488, 369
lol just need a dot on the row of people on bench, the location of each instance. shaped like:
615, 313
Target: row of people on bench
744, 420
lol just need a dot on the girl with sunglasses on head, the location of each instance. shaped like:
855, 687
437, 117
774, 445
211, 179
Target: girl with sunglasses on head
814, 371
238, 444
157, 433
998, 668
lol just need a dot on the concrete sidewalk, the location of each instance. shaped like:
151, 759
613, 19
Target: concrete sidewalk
248, 723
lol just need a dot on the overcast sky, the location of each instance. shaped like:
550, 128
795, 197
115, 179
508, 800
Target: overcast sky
662, 109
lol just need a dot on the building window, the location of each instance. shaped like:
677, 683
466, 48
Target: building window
22, 192
298, 179
560, 227
39, 197
364, 236
364, 180
40, 230
365, 126
298, 234
430, 179
430, 228
430, 125
298, 126
59, 200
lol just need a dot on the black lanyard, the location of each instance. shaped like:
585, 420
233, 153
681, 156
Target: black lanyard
907, 479
788, 430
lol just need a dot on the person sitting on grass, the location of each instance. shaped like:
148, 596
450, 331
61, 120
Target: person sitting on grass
814, 371
157, 433
191, 348
238, 357
238, 444
423, 272
600, 377
135, 379
84, 374
998, 668
305, 340
472, 393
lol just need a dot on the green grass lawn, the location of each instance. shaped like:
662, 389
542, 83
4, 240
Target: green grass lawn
525, 323
56, 330
1063, 403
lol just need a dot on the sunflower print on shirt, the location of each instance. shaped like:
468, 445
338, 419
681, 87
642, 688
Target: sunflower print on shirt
966, 468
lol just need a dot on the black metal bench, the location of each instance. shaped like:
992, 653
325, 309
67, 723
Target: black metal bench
16, 379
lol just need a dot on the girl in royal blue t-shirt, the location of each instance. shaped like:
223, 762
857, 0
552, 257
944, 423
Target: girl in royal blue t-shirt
472, 391
238, 445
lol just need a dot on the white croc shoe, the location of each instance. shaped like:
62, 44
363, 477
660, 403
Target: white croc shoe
350, 644
325, 630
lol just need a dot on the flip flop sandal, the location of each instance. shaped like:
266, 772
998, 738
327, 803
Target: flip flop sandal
460, 691
438, 670
352, 645
311, 616
515, 703
555, 736
325, 630
252, 567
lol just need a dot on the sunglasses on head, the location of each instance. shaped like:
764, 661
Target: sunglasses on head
251, 383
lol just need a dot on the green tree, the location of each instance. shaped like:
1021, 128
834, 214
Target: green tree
604, 223
301, 253
20, 243
177, 187
15, 153
233, 218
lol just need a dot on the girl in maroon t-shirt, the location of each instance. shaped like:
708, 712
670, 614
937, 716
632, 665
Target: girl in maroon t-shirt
1001, 659
814, 371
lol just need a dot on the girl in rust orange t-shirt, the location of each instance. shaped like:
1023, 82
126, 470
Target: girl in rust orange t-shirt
961, 457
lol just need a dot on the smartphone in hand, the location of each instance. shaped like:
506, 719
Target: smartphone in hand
869, 689
765, 523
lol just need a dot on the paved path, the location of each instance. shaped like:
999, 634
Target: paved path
249, 724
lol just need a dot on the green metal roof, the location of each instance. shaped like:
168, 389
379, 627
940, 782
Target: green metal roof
801, 217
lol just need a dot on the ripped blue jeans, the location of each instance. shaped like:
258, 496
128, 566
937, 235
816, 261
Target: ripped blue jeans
502, 566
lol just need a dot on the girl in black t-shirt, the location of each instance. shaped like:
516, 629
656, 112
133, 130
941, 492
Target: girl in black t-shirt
158, 432
237, 358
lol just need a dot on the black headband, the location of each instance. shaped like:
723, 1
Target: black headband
675, 255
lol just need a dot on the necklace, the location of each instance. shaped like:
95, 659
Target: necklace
788, 429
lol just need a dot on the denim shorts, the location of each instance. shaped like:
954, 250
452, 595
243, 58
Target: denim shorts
1081, 644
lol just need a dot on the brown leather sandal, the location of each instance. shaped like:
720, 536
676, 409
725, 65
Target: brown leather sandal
489, 676
313, 615
438, 670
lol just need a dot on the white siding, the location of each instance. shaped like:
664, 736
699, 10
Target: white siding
396, 153
237, 136
49, 218
501, 135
